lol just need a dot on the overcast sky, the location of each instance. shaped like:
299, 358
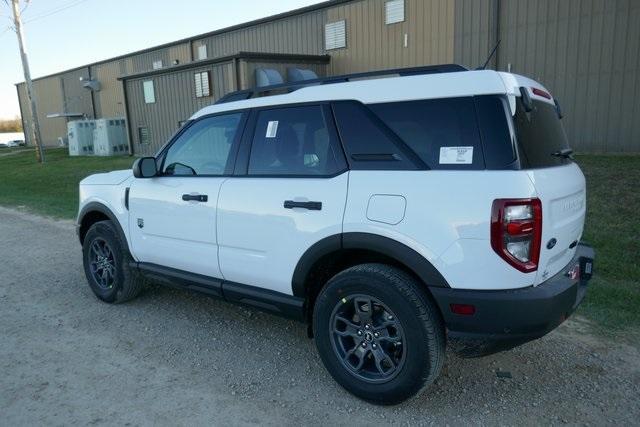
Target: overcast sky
63, 34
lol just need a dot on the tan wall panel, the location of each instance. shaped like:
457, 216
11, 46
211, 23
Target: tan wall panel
109, 100
371, 44
585, 51
296, 34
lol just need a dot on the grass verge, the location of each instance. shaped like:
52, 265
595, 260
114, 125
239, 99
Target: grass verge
613, 226
613, 229
52, 188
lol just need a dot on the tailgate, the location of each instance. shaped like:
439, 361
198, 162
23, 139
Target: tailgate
561, 190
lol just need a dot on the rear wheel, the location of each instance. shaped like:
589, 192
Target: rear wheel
378, 333
106, 264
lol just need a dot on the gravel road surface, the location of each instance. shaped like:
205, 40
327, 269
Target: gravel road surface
177, 358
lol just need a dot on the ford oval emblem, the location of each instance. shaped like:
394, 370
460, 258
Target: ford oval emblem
551, 243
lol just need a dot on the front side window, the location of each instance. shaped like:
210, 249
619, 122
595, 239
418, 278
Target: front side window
292, 141
203, 148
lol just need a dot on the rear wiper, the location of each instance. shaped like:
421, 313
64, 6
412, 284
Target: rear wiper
564, 153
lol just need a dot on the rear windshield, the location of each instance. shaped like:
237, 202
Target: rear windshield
540, 134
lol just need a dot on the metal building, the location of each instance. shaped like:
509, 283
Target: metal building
585, 51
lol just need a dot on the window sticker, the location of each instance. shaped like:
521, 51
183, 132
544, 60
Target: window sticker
456, 155
272, 129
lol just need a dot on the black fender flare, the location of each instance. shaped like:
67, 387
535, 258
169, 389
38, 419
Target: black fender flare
400, 252
99, 207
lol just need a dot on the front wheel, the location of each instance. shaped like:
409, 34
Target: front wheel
378, 333
106, 264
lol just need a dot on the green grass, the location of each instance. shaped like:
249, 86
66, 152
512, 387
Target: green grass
613, 218
50, 189
613, 229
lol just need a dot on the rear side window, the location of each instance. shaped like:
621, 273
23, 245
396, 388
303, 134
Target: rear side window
497, 137
368, 143
293, 141
540, 134
442, 132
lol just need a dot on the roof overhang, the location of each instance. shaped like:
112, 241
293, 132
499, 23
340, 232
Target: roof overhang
293, 57
58, 115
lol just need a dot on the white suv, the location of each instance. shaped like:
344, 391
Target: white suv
392, 214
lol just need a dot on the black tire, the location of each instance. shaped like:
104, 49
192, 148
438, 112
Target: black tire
122, 283
394, 294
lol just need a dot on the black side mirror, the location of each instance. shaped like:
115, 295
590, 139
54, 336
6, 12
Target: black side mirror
145, 167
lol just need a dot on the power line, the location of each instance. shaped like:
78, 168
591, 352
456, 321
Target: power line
55, 10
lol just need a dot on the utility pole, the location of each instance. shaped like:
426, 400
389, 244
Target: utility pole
35, 126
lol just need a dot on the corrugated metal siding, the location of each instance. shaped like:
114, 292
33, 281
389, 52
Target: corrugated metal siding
26, 111
76, 99
144, 62
175, 102
109, 100
474, 31
585, 51
49, 100
372, 45
296, 34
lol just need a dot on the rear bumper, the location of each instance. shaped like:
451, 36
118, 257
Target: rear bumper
506, 318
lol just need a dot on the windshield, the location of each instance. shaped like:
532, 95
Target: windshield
540, 134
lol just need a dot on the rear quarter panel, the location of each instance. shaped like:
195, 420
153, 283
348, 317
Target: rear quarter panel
446, 219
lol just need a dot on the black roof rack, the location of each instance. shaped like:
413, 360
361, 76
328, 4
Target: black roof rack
290, 87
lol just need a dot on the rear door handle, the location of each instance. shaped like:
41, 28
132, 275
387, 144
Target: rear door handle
195, 197
312, 206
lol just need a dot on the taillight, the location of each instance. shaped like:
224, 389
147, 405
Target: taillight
516, 232
540, 92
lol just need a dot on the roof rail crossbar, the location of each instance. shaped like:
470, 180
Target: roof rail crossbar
290, 87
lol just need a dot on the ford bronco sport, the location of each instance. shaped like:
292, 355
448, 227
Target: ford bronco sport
394, 212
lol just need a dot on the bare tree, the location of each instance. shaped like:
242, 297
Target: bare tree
34, 129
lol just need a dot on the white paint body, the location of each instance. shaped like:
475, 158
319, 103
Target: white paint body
243, 234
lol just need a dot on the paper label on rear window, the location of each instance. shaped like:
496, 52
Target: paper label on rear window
272, 129
456, 155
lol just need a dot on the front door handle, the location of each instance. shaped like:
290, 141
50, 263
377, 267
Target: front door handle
312, 206
195, 197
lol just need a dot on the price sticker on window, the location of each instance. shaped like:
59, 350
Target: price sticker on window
456, 155
272, 129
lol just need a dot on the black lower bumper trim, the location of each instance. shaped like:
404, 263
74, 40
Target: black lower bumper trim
504, 319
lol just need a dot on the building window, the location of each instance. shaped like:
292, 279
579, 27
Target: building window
394, 11
335, 35
149, 92
157, 64
202, 51
143, 135
203, 86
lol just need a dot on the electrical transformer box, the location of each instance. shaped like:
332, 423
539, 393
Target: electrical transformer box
110, 137
80, 137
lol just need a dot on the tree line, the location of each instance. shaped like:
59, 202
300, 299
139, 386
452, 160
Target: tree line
11, 125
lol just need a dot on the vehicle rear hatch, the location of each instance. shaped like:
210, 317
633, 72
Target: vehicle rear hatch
545, 155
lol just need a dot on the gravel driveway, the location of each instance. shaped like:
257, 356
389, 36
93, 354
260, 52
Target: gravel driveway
176, 358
